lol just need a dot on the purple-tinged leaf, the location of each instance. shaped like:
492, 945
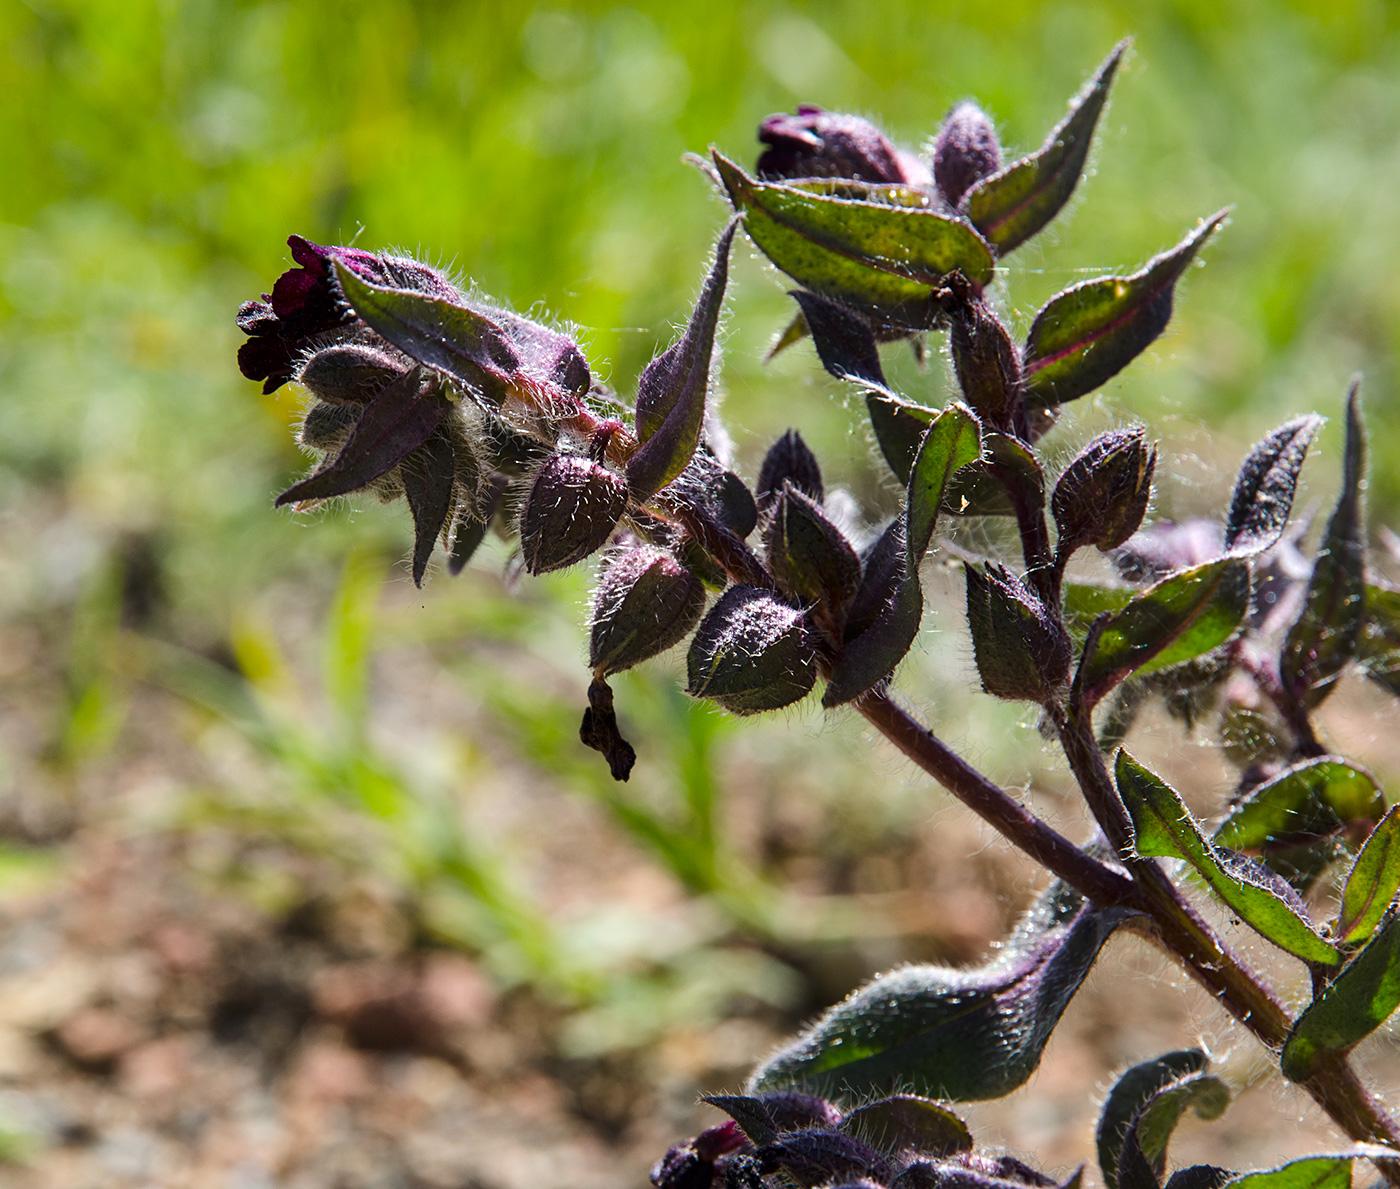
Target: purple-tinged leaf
1174, 620
1324, 639
1352, 1006
899, 427
1131, 1092
1021, 652
955, 1033
908, 1123
470, 530
429, 475
809, 557
726, 497
881, 257
461, 342
789, 460
951, 443
882, 570
844, 339
672, 390
395, 423
1142, 1151
1090, 332
1268, 480
750, 1113
1303, 803
1164, 828
1011, 206
1372, 883
821, 1157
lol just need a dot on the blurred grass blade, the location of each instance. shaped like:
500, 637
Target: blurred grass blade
1012, 205
347, 643
1090, 332
1164, 828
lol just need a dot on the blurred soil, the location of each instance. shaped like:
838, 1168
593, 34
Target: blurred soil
200, 1002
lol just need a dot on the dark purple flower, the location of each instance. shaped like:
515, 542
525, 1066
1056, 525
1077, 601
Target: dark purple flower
815, 143
306, 302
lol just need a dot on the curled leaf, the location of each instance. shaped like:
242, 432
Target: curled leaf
1131, 1092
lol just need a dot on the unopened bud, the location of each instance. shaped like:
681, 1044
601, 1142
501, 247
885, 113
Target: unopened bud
571, 511
751, 653
965, 152
820, 1157
645, 603
809, 556
349, 374
789, 461
1102, 496
814, 143
988, 366
327, 427
1022, 653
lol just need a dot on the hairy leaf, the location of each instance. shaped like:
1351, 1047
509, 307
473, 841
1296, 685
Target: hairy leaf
428, 477
1164, 828
464, 343
1011, 206
878, 256
905, 1121
1008, 473
1312, 798
1263, 496
1324, 639
960, 1034
1091, 331
1131, 1092
1143, 1155
1373, 882
1172, 621
845, 341
950, 443
1313, 1172
1378, 646
1357, 1002
750, 1113
672, 390
394, 424
899, 427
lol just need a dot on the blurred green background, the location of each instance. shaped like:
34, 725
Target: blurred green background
178, 660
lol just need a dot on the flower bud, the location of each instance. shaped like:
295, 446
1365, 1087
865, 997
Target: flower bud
751, 653
1102, 496
815, 143
349, 374
789, 461
820, 1157
645, 603
988, 366
965, 152
809, 556
1022, 653
571, 511
327, 427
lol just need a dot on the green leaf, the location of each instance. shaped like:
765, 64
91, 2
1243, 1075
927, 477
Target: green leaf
1008, 466
1357, 1002
1325, 637
1312, 1172
1084, 602
1087, 334
885, 258
1011, 206
1373, 882
1164, 828
1264, 490
962, 1034
899, 428
464, 343
905, 1121
1131, 1092
1143, 1157
1313, 798
952, 442
1182, 616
